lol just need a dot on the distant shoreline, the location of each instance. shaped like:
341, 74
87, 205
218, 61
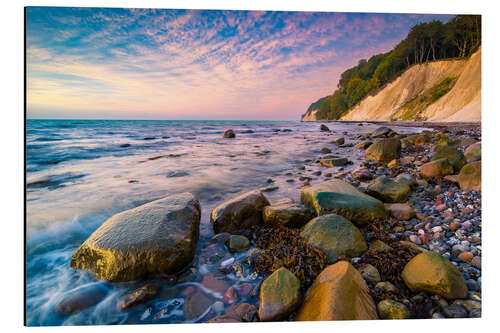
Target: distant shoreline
433, 124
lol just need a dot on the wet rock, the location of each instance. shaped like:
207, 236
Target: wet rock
330, 162
326, 150
402, 212
239, 213
230, 296
454, 157
384, 150
158, 237
125, 145
324, 128
243, 312
473, 152
279, 295
393, 164
288, 214
419, 139
369, 273
380, 246
213, 283
386, 286
454, 311
237, 243
338, 197
382, 132
436, 168
362, 174
223, 319
389, 309
388, 190
338, 293
433, 273
139, 296
339, 141
80, 298
196, 305
363, 145
335, 235
469, 177
229, 134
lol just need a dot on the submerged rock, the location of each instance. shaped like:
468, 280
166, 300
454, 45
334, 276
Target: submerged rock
239, 213
338, 197
469, 177
335, 235
388, 190
229, 134
384, 150
244, 312
338, 293
288, 214
157, 237
279, 295
196, 305
324, 128
79, 299
139, 296
433, 273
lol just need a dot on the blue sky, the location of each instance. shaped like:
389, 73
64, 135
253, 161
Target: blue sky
191, 64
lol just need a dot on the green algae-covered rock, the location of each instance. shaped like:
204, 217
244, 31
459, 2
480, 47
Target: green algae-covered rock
338, 293
389, 309
279, 295
239, 213
288, 214
158, 237
433, 273
419, 139
469, 177
454, 157
436, 168
333, 161
237, 243
384, 150
473, 152
388, 190
335, 235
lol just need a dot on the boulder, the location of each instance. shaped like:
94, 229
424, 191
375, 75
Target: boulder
139, 296
402, 212
363, 145
330, 162
433, 273
436, 168
419, 139
469, 177
383, 132
473, 152
335, 235
384, 150
324, 128
454, 157
388, 190
239, 213
338, 197
389, 309
229, 134
338, 293
279, 295
159, 237
80, 298
407, 179
237, 243
288, 214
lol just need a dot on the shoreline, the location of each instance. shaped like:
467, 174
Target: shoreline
430, 124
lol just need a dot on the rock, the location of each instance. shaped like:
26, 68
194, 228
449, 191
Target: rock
324, 128
473, 152
389, 309
243, 312
338, 197
237, 243
239, 213
406, 179
338, 293
157, 237
436, 168
469, 177
80, 298
196, 305
326, 150
363, 145
384, 150
211, 282
451, 178
388, 190
288, 214
339, 141
454, 311
466, 256
335, 235
476, 262
433, 273
229, 134
419, 139
223, 319
230, 296
415, 239
139, 296
382, 132
369, 273
393, 164
279, 295
380, 246
454, 157
333, 161
387, 287
402, 212
362, 174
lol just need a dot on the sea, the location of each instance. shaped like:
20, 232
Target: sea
81, 172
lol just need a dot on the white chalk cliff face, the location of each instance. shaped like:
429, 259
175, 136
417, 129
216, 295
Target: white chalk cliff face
461, 103
310, 115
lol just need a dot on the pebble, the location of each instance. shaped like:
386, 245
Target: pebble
454, 311
415, 239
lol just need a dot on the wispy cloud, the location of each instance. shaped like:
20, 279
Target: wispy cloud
195, 64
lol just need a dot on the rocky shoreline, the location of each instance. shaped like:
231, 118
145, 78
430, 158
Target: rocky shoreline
397, 237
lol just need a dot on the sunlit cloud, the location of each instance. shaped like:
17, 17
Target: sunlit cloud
187, 64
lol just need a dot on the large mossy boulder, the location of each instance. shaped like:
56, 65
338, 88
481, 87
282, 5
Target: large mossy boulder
454, 156
335, 235
433, 273
388, 190
338, 293
279, 295
287, 213
338, 197
437, 168
469, 177
159, 237
239, 213
384, 150
473, 152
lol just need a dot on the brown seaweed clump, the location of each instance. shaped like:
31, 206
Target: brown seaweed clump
285, 247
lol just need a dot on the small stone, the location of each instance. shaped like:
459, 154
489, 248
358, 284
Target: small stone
402, 212
369, 273
218, 307
389, 309
465, 256
380, 246
195, 305
230, 296
326, 150
415, 239
244, 289
454, 311
476, 262
387, 287
238, 243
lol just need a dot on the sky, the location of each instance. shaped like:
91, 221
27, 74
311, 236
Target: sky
112, 63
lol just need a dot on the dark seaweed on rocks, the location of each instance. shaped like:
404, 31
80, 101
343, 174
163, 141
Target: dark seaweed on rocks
285, 247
